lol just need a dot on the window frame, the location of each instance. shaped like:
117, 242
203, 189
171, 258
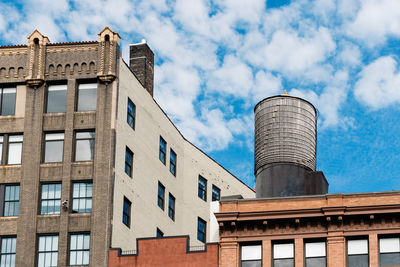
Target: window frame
129, 164
79, 198
3, 190
46, 103
129, 115
44, 143
380, 237
7, 252
200, 220
5, 148
50, 199
364, 238
162, 151
314, 241
126, 214
255, 243
212, 193
159, 233
38, 252
172, 164
202, 192
78, 84
283, 242
76, 139
161, 198
70, 250
5, 86
171, 209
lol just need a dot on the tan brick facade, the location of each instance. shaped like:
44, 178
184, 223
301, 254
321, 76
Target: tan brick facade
332, 218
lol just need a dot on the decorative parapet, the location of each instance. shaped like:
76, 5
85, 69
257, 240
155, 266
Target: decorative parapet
36, 57
109, 42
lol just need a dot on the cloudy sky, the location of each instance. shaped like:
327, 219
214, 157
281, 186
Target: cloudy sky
216, 59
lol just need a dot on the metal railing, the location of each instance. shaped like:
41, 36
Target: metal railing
197, 248
128, 252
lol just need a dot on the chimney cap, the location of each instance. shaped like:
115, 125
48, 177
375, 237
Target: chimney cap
143, 41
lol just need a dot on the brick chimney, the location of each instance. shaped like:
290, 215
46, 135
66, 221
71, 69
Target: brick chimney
141, 62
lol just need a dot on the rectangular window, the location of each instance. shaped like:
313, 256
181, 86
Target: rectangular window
389, 251
51, 199
171, 207
283, 255
56, 98
128, 161
159, 233
84, 145
357, 253
250, 255
201, 230
87, 96
48, 251
172, 162
82, 197
126, 213
202, 190
315, 254
7, 100
216, 193
8, 251
53, 147
161, 196
79, 249
11, 200
163, 149
11, 149
131, 114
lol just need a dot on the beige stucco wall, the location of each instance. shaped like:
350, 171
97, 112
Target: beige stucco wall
141, 189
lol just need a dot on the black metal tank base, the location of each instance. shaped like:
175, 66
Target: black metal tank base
289, 179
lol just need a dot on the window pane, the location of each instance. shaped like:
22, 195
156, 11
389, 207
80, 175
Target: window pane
357, 247
315, 262
256, 263
315, 249
357, 261
84, 150
14, 153
284, 263
387, 245
54, 136
251, 252
8, 101
54, 151
283, 251
1, 149
390, 259
87, 97
56, 98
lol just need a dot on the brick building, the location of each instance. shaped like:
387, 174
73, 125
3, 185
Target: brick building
89, 161
360, 229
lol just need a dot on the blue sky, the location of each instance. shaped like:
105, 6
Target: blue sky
216, 59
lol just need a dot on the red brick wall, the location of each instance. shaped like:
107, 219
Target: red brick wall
166, 252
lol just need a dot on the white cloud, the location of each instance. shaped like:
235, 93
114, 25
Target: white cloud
379, 83
349, 55
376, 21
266, 84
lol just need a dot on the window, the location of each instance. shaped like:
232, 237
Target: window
159, 233
82, 197
172, 162
357, 253
87, 96
53, 147
51, 199
202, 192
9, 200
130, 119
250, 255
161, 193
171, 207
283, 254
84, 145
48, 251
128, 161
315, 254
163, 149
11, 148
8, 251
79, 249
56, 98
126, 213
7, 100
389, 251
201, 230
216, 193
